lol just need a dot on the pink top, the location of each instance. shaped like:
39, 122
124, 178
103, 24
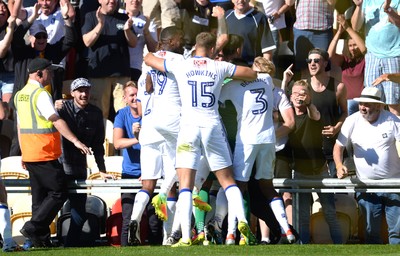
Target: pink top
353, 76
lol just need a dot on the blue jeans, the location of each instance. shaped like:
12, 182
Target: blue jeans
328, 207
352, 106
373, 206
305, 40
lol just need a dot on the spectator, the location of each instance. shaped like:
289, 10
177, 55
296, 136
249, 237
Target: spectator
382, 28
313, 28
39, 128
146, 33
375, 158
38, 47
50, 16
309, 160
199, 110
126, 128
253, 26
352, 65
165, 13
275, 11
329, 96
7, 26
201, 16
86, 122
108, 34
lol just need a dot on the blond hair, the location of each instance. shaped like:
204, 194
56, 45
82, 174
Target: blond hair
263, 65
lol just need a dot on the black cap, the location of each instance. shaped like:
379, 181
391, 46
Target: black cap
40, 64
37, 28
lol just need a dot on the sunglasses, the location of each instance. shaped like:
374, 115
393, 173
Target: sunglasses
310, 60
41, 36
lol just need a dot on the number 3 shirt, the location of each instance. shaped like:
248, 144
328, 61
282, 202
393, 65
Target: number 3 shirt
253, 101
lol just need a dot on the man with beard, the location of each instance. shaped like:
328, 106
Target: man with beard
86, 122
352, 64
373, 132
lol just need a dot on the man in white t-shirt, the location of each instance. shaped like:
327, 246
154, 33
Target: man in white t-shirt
201, 132
146, 32
372, 132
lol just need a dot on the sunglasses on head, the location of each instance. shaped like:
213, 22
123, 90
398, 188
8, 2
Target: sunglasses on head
310, 60
41, 36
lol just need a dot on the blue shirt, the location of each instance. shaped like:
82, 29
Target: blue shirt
131, 163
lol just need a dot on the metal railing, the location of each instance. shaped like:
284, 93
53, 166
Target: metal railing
295, 186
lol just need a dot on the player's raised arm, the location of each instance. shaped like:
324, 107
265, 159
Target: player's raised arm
244, 73
154, 62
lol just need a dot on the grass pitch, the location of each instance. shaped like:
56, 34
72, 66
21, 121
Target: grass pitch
212, 250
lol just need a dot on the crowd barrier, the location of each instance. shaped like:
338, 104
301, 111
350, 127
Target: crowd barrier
295, 186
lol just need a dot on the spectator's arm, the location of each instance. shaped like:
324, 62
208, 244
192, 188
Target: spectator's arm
35, 14
97, 144
313, 112
338, 158
392, 14
6, 42
90, 38
358, 17
151, 43
341, 95
120, 141
354, 35
336, 59
15, 7
130, 36
222, 31
387, 77
64, 130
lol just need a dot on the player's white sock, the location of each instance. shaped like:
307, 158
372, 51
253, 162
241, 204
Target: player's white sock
141, 200
5, 224
279, 211
185, 205
232, 223
167, 225
235, 202
221, 208
168, 182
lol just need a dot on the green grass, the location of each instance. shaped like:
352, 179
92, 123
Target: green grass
212, 250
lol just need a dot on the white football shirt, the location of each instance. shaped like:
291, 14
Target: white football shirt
254, 103
200, 80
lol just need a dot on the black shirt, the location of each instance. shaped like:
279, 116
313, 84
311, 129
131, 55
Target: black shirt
87, 124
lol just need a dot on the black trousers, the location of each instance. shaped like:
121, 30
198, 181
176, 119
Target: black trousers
49, 192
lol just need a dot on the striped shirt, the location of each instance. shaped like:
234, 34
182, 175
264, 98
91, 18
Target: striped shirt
314, 15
